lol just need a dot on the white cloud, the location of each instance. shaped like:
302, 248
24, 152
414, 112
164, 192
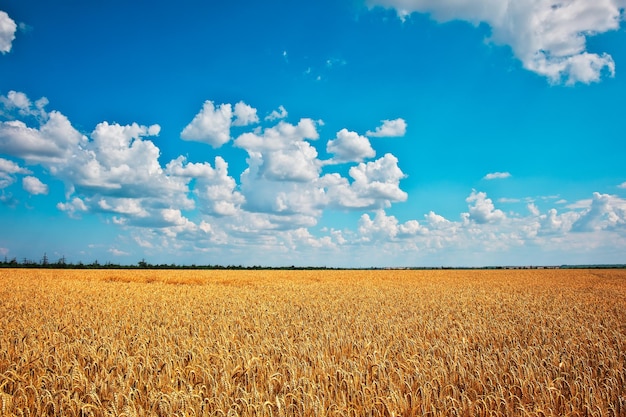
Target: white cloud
622, 185
607, 212
72, 207
379, 180
16, 100
7, 171
576, 236
483, 211
34, 186
215, 189
580, 204
436, 221
350, 147
301, 237
117, 252
281, 113
11, 167
548, 37
388, 227
496, 175
120, 163
271, 209
507, 200
7, 32
375, 185
298, 202
142, 242
389, 128
52, 142
211, 125
244, 114
556, 224
174, 217
283, 176
282, 153
126, 206
532, 208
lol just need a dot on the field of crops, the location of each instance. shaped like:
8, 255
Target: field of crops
313, 343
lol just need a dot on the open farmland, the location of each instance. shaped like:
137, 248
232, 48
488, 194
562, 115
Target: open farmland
313, 343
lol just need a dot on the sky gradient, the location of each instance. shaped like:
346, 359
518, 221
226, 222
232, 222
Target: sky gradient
336, 133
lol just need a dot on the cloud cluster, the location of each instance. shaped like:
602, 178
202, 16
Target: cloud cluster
548, 37
115, 170
485, 234
212, 124
280, 197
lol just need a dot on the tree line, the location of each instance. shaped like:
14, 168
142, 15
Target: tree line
63, 263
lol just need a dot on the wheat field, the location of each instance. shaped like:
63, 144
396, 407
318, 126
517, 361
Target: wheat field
312, 343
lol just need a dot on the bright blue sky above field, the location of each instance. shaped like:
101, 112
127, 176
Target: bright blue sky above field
325, 133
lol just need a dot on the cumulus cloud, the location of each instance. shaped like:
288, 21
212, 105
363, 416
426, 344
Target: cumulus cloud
482, 210
281, 113
374, 185
388, 227
211, 125
51, 142
16, 100
7, 32
215, 189
496, 175
379, 179
302, 237
622, 185
244, 115
127, 206
280, 196
10, 167
7, 171
119, 162
554, 224
34, 186
283, 179
389, 128
486, 234
116, 170
606, 212
548, 37
282, 152
350, 147
72, 207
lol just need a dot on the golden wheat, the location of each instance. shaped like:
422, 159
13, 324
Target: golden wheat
313, 343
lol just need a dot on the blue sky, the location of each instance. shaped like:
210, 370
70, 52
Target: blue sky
330, 133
